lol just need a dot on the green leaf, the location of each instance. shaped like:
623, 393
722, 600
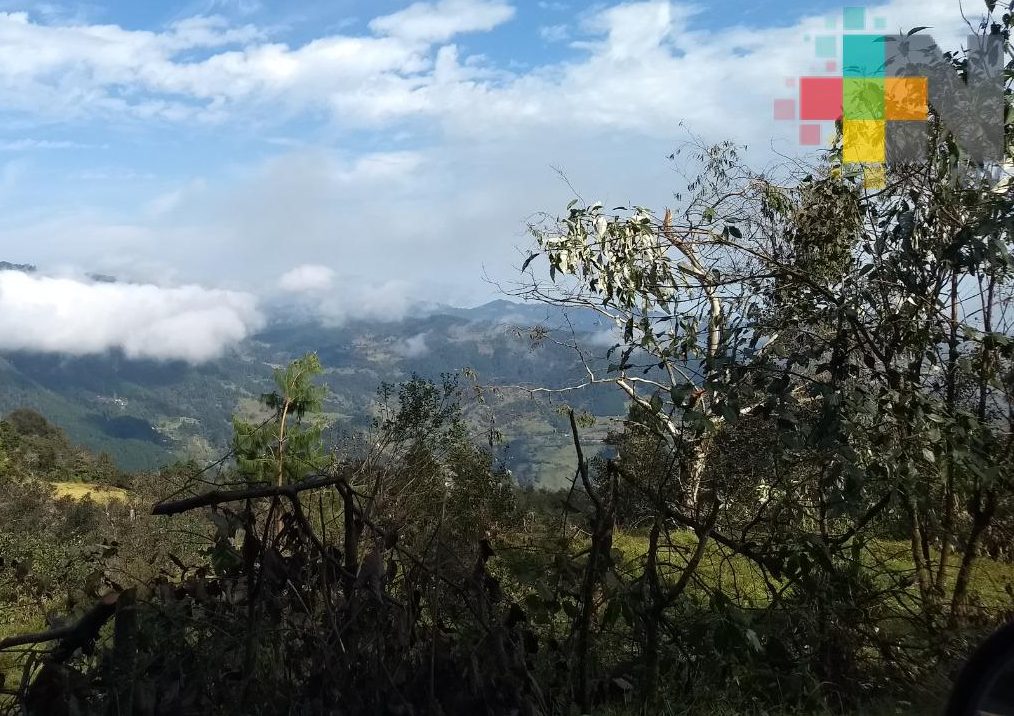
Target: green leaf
656, 403
679, 393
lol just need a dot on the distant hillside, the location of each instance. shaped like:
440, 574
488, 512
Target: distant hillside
24, 268
147, 413
32, 447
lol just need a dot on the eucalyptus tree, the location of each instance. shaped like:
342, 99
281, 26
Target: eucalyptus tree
853, 344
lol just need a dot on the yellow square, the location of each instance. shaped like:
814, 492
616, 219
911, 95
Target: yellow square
863, 141
875, 176
905, 98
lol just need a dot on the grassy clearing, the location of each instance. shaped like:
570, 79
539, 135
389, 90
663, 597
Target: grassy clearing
992, 584
739, 579
98, 493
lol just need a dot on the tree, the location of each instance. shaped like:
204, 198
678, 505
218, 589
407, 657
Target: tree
850, 342
283, 449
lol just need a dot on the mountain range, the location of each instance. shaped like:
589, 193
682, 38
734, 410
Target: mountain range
147, 413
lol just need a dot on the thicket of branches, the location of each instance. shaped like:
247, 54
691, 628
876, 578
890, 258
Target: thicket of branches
817, 373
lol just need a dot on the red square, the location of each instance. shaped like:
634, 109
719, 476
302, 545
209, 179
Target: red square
820, 98
809, 135
785, 109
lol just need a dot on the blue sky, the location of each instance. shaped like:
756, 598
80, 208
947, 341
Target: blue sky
364, 155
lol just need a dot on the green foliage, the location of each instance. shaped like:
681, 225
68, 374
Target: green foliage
416, 516
284, 449
420, 426
815, 456
31, 446
812, 367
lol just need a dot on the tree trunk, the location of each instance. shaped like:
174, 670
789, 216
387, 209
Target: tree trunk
651, 619
921, 569
351, 540
981, 517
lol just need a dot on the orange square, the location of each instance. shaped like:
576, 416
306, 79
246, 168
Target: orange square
905, 98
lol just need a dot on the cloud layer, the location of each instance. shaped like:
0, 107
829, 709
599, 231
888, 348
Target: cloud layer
644, 65
388, 160
190, 323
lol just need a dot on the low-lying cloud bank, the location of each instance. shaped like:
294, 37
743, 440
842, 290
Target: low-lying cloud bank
336, 299
306, 278
78, 317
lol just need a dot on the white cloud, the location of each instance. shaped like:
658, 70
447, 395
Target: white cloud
554, 33
205, 31
378, 168
62, 315
413, 347
606, 338
307, 278
440, 21
29, 144
646, 68
638, 29
70, 71
387, 301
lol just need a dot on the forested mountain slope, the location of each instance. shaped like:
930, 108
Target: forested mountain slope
145, 413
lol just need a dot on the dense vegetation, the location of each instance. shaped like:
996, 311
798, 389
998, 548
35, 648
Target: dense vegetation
808, 507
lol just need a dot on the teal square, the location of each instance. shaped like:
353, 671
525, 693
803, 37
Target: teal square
826, 47
863, 55
863, 97
854, 18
